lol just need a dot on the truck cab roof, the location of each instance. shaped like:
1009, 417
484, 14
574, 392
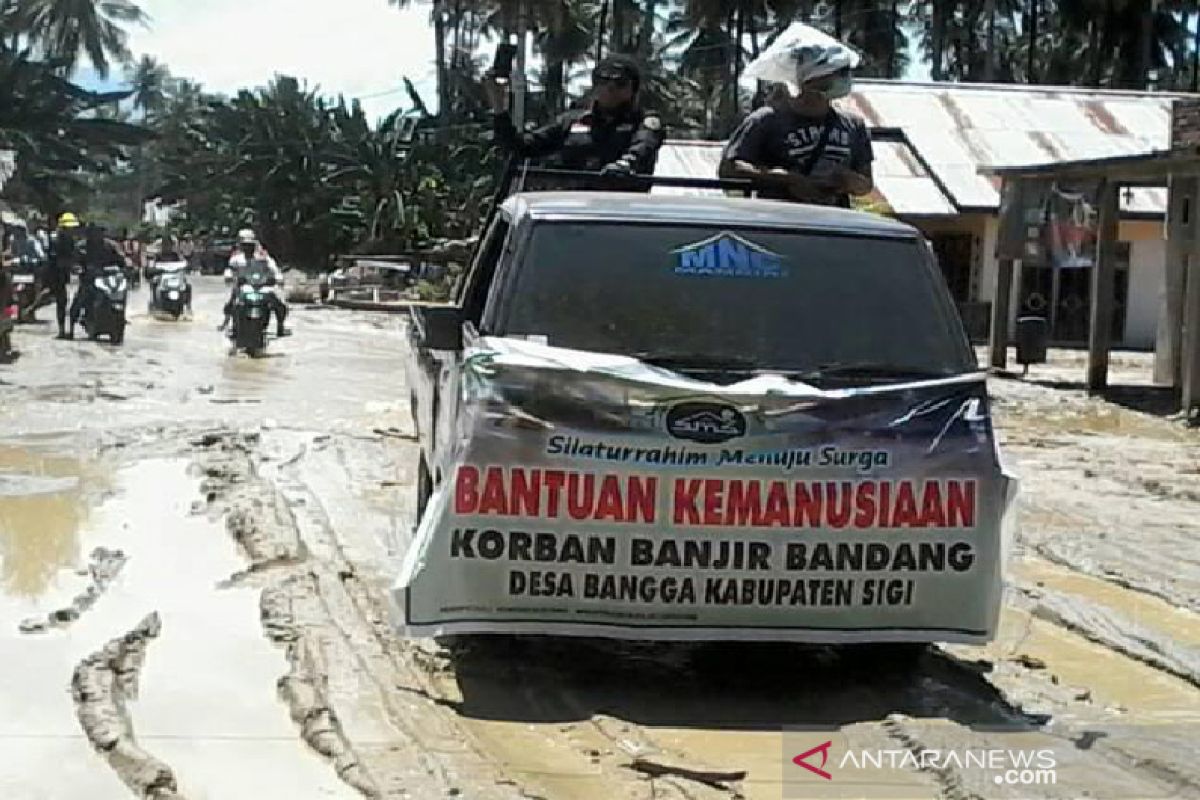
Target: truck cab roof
647, 209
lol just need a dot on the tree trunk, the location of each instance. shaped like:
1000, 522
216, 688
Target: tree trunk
555, 81
739, 34
1031, 57
457, 22
646, 35
1146, 46
938, 25
893, 28
1105, 52
989, 58
603, 29
616, 42
1094, 63
445, 111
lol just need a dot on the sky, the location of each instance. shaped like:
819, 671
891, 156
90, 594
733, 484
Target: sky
361, 48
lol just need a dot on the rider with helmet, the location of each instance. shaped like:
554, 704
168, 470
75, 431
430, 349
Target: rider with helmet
250, 255
801, 147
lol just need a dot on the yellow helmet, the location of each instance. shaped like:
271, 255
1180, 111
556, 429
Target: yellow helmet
68, 220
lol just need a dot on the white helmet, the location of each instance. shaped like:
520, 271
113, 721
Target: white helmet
246, 236
800, 54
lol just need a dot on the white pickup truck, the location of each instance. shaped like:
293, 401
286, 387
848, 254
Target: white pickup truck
702, 418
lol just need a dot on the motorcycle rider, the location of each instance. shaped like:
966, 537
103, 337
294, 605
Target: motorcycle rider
99, 252
168, 252
63, 257
249, 253
27, 253
613, 135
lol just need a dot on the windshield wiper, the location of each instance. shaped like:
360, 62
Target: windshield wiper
874, 369
683, 360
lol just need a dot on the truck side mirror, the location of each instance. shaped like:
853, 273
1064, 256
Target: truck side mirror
438, 327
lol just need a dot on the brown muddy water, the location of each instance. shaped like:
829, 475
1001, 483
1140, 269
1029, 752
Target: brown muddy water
206, 703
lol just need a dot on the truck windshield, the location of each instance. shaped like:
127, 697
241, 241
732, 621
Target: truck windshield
692, 296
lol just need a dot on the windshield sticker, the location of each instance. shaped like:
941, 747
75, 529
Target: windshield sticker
728, 255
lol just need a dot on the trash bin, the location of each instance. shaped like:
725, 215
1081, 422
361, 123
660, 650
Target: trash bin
1032, 336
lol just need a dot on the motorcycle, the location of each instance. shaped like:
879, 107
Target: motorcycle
26, 289
251, 311
170, 290
105, 315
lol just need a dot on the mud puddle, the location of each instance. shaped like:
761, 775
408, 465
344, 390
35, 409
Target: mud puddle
206, 703
44, 501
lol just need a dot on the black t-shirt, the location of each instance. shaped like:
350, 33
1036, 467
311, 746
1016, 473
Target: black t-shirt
779, 137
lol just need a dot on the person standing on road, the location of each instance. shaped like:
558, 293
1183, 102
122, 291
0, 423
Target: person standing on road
613, 135
63, 258
802, 148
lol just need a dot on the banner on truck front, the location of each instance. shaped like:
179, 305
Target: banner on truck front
596, 495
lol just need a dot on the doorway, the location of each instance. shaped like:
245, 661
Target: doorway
1064, 299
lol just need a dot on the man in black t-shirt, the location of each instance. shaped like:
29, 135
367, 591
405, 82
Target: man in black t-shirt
803, 149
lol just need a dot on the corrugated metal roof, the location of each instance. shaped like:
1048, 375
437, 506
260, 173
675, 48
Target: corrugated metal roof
905, 184
899, 176
956, 129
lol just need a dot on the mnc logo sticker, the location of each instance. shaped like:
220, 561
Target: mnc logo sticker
728, 255
707, 423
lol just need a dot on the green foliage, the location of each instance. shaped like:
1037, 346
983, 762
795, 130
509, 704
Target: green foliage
57, 130
65, 30
315, 178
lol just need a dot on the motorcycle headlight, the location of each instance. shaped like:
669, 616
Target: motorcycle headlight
173, 295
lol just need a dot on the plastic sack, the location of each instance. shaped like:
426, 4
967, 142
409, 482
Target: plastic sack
800, 54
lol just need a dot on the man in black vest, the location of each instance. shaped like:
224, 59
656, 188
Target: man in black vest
612, 135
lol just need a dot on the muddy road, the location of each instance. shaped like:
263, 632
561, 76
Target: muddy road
195, 552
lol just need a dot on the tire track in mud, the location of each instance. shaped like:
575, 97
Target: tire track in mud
101, 686
256, 519
333, 630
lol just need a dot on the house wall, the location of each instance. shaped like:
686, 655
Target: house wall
1147, 262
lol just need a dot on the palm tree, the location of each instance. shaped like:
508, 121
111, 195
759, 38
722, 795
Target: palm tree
148, 79
565, 34
69, 29
60, 131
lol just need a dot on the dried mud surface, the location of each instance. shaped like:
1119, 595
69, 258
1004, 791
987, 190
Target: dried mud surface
304, 463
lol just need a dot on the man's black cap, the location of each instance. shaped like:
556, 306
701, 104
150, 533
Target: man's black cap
618, 67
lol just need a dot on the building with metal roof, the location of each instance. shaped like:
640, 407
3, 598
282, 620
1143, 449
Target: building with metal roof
934, 146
